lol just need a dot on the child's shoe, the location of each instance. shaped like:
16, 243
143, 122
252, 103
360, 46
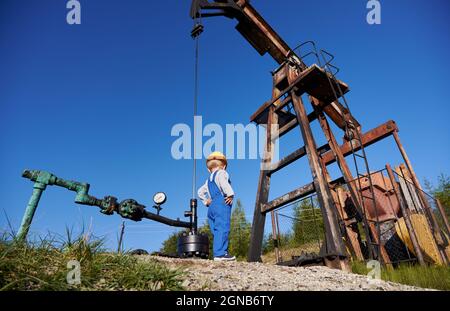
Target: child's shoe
226, 257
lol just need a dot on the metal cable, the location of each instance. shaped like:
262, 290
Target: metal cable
194, 166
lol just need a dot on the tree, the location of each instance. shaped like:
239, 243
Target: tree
239, 232
268, 245
441, 192
170, 244
308, 223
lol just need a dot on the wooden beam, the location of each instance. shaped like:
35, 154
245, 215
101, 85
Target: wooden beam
288, 198
294, 156
286, 101
367, 139
287, 128
293, 123
269, 40
418, 186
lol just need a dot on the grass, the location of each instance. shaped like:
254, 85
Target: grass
42, 265
435, 277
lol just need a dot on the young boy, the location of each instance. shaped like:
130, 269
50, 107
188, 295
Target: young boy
217, 195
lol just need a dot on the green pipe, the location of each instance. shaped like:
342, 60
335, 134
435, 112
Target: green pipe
38, 188
129, 209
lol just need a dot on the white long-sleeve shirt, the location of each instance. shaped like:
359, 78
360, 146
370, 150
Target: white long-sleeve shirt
222, 180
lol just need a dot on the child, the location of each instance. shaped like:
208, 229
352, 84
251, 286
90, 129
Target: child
217, 195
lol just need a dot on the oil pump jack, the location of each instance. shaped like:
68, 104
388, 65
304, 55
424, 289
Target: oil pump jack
347, 204
340, 200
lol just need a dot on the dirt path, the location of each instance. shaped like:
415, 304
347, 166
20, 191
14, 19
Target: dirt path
244, 276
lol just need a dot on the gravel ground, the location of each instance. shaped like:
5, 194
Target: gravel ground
243, 276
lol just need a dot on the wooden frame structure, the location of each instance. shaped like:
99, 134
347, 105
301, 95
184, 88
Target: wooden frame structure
292, 81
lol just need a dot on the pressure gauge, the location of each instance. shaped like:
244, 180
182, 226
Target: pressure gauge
159, 198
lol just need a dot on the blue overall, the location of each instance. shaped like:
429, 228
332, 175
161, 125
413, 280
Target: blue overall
219, 214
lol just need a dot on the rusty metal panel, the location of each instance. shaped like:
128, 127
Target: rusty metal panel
387, 203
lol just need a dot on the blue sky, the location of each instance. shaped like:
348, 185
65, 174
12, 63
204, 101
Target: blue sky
96, 102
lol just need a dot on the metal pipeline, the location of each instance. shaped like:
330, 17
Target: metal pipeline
167, 221
128, 208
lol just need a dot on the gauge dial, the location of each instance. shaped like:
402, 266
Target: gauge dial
159, 198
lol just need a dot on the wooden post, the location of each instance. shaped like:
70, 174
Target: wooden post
262, 195
278, 236
443, 215
406, 159
341, 215
429, 215
349, 234
415, 180
334, 246
275, 237
346, 173
343, 166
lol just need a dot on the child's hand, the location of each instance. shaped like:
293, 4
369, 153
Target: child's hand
229, 200
208, 202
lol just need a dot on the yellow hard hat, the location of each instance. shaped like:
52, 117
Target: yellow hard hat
216, 155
